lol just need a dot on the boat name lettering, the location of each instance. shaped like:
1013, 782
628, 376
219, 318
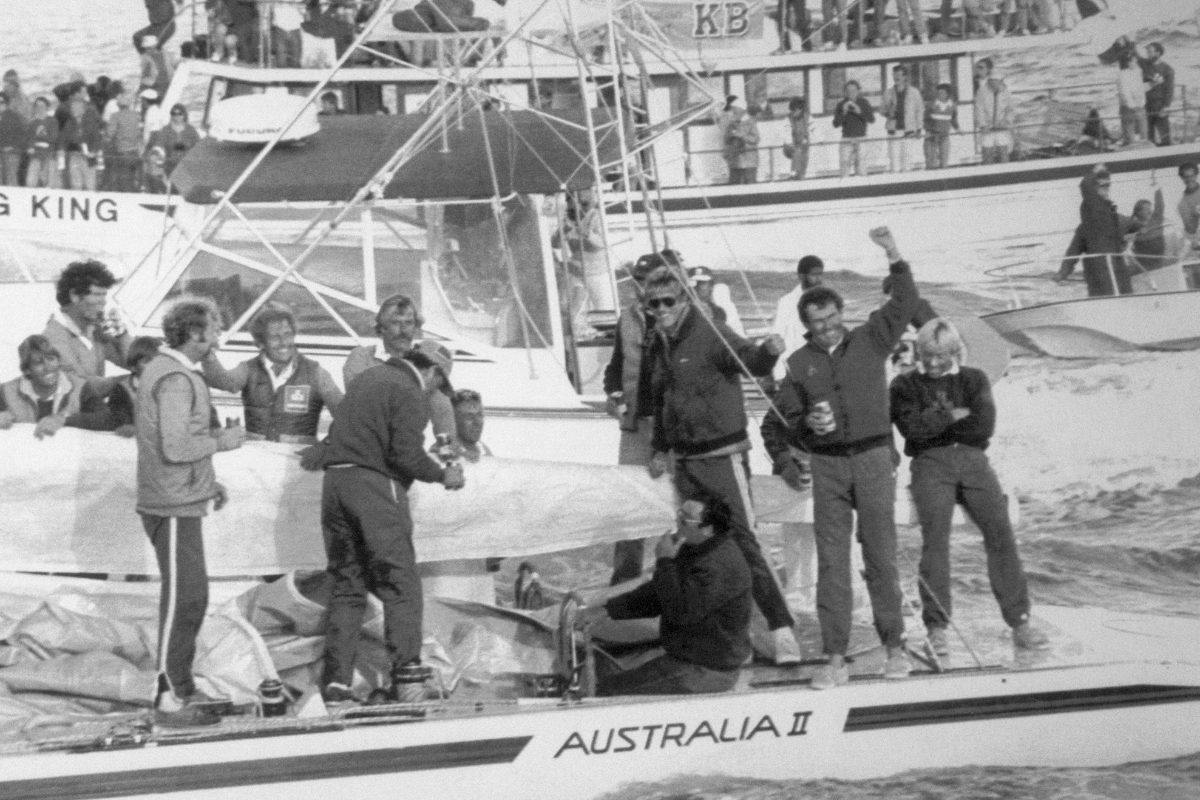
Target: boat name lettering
682, 734
721, 20
62, 207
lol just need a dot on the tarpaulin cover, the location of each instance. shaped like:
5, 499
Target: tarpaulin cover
71, 649
68, 506
532, 153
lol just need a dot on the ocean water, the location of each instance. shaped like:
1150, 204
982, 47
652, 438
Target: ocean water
1103, 455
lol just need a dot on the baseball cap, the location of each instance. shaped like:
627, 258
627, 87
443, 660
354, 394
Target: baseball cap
699, 275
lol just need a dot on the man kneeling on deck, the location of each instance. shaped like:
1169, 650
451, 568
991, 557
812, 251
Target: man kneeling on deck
701, 591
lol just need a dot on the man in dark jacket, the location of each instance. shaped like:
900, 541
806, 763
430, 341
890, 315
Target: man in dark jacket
375, 451
834, 404
701, 592
627, 387
1160, 91
946, 414
14, 139
700, 420
1100, 236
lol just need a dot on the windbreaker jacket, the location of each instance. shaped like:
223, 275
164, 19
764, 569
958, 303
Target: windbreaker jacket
703, 599
921, 410
852, 379
697, 385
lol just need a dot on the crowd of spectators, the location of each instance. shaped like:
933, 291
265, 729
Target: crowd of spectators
94, 136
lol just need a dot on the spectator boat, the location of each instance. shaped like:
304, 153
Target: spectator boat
1160, 314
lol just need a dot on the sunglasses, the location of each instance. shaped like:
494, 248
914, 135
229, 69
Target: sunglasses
662, 302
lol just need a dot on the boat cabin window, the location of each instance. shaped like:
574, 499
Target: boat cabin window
474, 277
869, 77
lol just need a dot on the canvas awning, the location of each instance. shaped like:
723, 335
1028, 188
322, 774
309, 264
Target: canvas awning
532, 153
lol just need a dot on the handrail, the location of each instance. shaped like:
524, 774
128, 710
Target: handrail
777, 151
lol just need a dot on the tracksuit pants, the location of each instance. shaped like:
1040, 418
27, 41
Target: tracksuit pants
864, 482
728, 477
941, 478
179, 549
368, 542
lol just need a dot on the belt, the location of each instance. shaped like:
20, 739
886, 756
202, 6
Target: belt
853, 448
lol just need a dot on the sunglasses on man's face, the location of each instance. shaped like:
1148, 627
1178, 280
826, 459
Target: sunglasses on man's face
662, 302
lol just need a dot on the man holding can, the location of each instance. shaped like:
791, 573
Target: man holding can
834, 403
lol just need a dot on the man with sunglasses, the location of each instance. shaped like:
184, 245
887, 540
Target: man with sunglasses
700, 425
701, 593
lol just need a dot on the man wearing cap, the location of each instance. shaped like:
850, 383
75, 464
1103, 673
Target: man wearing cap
283, 392
700, 425
627, 387
715, 300
375, 451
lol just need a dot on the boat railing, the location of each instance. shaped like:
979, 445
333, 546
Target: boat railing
1130, 272
880, 154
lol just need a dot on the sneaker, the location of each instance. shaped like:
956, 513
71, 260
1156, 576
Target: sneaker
828, 676
897, 666
335, 693
174, 712
787, 649
939, 641
1028, 637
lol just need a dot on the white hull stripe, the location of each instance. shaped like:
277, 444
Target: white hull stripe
232, 774
164, 642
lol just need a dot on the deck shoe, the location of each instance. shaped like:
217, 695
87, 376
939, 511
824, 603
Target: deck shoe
217, 704
334, 693
939, 641
174, 712
787, 649
897, 666
1028, 637
409, 682
828, 676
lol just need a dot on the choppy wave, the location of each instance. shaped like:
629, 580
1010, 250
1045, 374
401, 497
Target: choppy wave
1177, 779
